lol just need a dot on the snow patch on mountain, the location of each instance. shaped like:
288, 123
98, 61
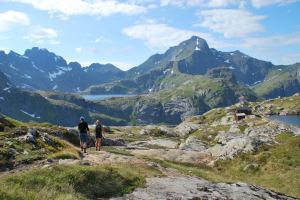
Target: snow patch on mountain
197, 44
27, 76
13, 67
31, 115
67, 69
55, 74
35, 67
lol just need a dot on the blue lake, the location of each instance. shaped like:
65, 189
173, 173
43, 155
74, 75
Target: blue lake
290, 119
103, 97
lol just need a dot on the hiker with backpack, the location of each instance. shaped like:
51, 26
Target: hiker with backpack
83, 129
98, 134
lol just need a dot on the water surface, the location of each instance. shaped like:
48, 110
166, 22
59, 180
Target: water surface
104, 96
289, 119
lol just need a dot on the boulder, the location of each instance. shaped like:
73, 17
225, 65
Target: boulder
193, 144
229, 149
230, 144
113, 142
185, 128
31, 135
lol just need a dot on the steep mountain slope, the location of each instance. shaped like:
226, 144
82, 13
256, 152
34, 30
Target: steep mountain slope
195, 57
192, 57
56, 108
280, 81
40, 69
183, 95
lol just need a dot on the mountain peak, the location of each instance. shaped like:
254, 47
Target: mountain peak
43, 57
200, 43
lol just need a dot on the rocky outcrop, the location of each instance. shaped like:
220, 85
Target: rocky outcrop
185, 128
230, 144
113, 142
193, 144
193, 188
178, 109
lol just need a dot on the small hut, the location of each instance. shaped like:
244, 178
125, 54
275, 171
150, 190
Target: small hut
242, 112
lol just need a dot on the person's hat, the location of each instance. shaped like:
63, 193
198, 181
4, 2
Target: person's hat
81, 118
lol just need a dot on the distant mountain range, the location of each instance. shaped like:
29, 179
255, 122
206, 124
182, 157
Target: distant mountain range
186, 80
193, 57
39, 69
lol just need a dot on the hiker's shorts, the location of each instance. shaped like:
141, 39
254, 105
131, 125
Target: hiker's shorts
83, 137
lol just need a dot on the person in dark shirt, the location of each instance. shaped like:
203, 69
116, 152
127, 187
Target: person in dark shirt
83, 129
98, 134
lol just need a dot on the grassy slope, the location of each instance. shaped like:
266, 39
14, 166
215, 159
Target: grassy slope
75, 182
14, 151
278, 78
288, 103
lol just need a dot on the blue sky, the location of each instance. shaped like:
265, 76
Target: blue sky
127, 32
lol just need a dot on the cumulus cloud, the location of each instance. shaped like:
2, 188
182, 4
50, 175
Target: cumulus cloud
10, 19
161, 36
263, 3
43, 35
231, 22
82, 7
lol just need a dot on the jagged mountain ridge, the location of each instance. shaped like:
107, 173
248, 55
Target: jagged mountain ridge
39, 69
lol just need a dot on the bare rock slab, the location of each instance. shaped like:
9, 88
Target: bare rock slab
183, 187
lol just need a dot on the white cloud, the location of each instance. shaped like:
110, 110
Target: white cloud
262, 3
43, 35
82, 7
272, 41
78, 50
162, 36
203, 3
11, 19
231, 22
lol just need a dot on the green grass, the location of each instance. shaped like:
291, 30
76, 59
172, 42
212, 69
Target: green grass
208, 135
75, 182
277, 80
65, 154
213, 115
14, 151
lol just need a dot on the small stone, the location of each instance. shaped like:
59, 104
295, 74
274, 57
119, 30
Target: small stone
50, 160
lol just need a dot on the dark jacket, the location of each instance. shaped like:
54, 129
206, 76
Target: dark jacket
83, 127
98, 131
